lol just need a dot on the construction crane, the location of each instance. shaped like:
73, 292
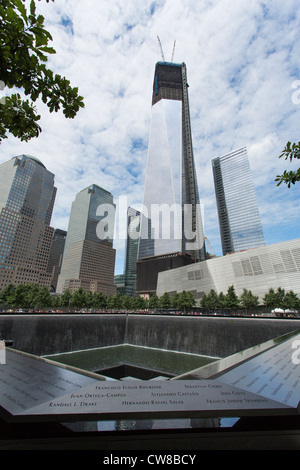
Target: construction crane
173, 51
212, 253
162, 52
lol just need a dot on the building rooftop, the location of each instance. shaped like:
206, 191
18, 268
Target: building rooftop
36, 160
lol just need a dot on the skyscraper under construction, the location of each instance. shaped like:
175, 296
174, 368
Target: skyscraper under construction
171, 233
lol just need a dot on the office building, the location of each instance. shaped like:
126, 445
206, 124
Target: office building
258, 270
89, 256
56, 256
239, 220
27, 196
171, 223
119, 281
132, 243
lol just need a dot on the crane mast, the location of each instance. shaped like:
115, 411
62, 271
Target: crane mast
162, 52
161, 49
173, 51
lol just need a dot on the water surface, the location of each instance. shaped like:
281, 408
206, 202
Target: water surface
170, 362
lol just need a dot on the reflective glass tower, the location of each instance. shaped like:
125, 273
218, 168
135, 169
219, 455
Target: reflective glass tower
171, 222
27, 196
239, 220
89, 256
56, 256
133, 229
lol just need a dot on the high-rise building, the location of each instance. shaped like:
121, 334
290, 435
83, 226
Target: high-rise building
27, 196
239, 219
171, 223
119, 281
133, 230
89, 256
56, 256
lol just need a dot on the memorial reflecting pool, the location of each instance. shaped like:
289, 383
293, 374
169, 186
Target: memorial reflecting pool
125, 360
123, 393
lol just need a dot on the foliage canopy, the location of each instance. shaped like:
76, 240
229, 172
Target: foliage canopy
33, 297
290, 152
24, 51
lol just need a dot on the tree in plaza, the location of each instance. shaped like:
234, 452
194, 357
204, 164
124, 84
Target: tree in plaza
153, 301
16, 297
203, 301
78, 298
101, 300
126, 302
117, 301
65, 299
165, 301
249, 301
291, 301
56, 302
7, 295
114, 301
23, 295
232, 301
90, 300
191, 301
110, 301
221, 301
270, 299
24, 50
212, 300
175, 300
139, 303
31, 295
186, 300
42, 298
280, 294
274, 299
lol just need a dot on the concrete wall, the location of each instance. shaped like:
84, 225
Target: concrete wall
212, 336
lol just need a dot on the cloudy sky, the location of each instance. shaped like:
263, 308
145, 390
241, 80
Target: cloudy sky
243, 70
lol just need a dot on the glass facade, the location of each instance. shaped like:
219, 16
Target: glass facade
161, 230
133, 229
27, 196
171, 219
239, 220
89, 257
56, 255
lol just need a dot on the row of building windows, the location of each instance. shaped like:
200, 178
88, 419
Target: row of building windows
284, 261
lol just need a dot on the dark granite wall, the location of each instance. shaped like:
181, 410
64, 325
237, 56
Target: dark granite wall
212, 336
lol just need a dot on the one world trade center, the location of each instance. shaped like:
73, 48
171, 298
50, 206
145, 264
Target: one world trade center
171, 232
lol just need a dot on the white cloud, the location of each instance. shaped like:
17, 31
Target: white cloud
242, 58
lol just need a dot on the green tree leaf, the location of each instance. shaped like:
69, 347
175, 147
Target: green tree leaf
24, 51
290, 152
